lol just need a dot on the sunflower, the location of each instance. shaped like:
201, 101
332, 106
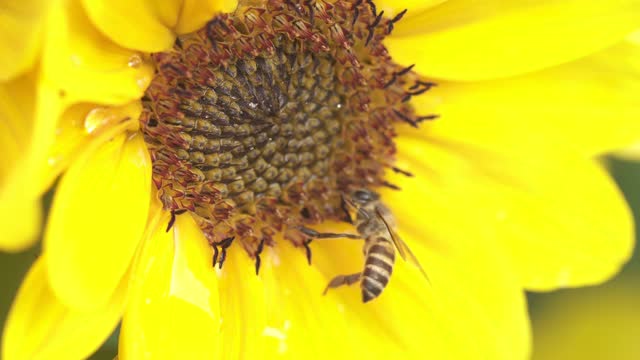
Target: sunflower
187, 134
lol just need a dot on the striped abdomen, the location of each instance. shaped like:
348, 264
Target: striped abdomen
377, 269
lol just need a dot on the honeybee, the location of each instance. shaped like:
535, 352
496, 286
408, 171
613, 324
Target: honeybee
375, 224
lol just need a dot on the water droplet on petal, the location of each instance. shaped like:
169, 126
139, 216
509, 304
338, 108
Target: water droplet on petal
143, 81
95, 119
52, 161
278, 334
135, 61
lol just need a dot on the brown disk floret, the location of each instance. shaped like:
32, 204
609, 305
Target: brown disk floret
258, 122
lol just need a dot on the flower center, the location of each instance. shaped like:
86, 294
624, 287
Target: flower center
260, 121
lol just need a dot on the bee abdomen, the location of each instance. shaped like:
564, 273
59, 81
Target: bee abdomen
377, 270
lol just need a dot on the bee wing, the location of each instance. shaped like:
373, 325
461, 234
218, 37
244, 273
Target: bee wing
403, 249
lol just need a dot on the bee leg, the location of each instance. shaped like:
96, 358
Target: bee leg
342, 280
224, 245
318, 235
343, 206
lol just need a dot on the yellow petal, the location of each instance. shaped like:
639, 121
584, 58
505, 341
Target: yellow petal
27, 128
21, 223
20, 31
40, 327
86, 66
173, 311
243, 306
265, 315
590, 105
195, 13
180, 303
472, 306
476, 40
156, 23
634, 37
97, 219
16, 121
296, 315
20, 210
414, 7
84, 127
560, 217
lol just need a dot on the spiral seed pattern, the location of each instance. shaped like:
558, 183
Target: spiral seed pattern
258, 122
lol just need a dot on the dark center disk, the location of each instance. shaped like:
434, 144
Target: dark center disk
258, 122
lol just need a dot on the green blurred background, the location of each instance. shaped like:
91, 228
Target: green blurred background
600, 322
